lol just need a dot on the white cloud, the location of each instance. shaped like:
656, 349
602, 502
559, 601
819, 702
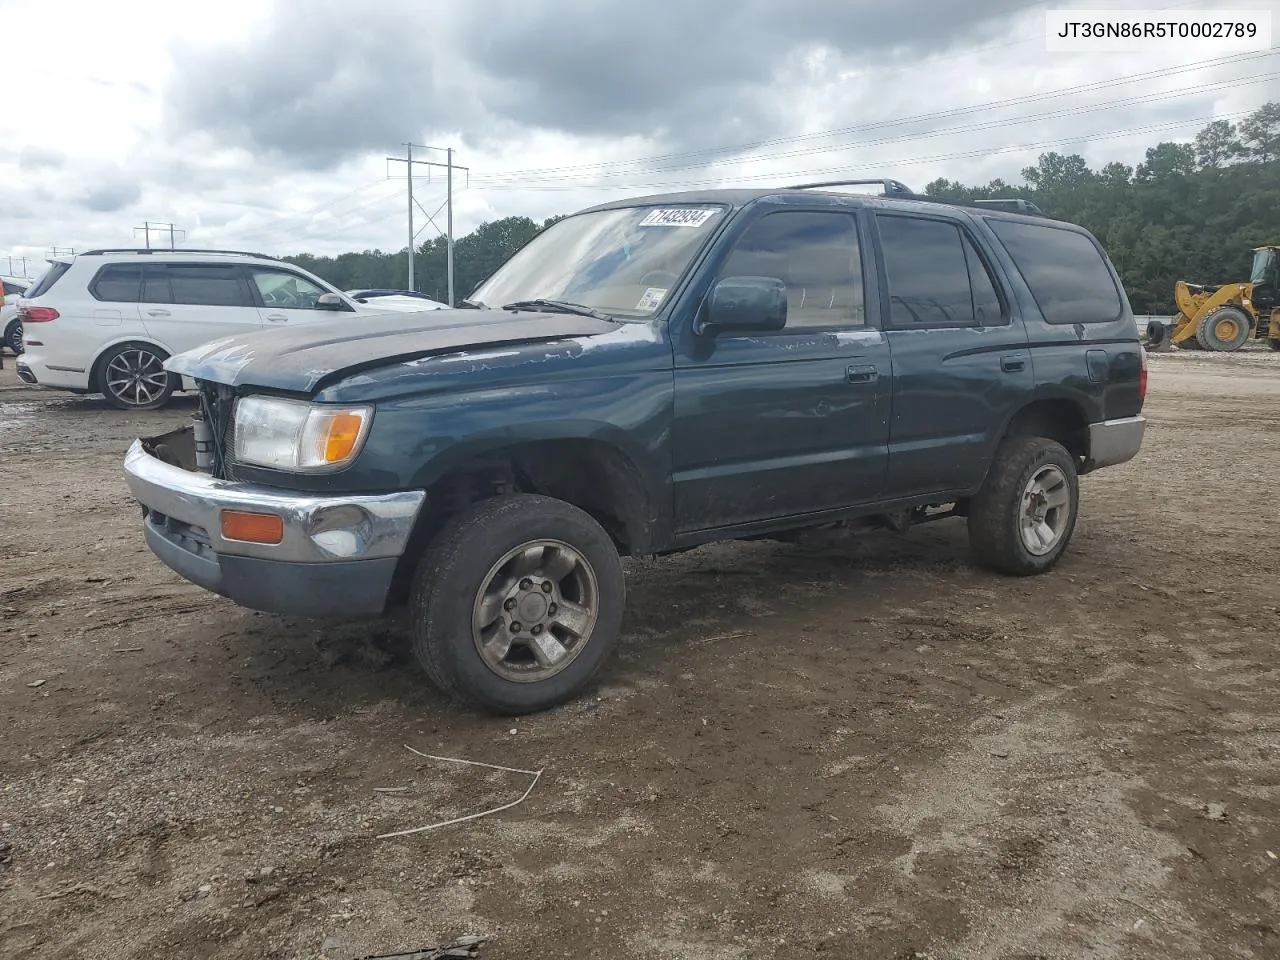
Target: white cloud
261, 126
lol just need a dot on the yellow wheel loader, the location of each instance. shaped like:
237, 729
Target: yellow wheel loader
1226, 316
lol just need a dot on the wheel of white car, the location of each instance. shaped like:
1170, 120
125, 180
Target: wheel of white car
516, 603
13, 335
132, 377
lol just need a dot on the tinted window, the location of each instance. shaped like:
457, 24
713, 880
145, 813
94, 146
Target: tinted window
928, 273
280, 288
155, 286
118, 283
207, 285
987, 308
816, 255
48, 279
1065, 271
13, 289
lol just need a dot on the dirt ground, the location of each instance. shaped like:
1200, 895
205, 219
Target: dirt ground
870, 751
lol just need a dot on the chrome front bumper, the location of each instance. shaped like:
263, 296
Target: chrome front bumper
1113, 442
337, 556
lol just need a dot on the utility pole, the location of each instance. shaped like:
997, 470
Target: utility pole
149, 226
21, 260
449, 194
449, 165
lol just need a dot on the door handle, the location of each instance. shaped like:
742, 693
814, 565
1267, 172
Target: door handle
1011, 363
277, 318
861, 373
157, 313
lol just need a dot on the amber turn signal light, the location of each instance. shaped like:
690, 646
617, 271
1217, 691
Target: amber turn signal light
252, 527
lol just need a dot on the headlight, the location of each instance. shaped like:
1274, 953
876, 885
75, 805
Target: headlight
297, 436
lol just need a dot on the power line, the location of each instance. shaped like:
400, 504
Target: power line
735, 149
881, 164
272, 224
981, 125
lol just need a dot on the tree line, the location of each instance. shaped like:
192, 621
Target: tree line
1189, 211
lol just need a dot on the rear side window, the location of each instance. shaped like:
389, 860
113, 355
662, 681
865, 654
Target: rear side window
48, 279
207, 285
936, 277
1064, 269
117, 283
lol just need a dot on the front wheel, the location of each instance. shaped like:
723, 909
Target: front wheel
516, 603
1223, 330
1022, 519
132, 377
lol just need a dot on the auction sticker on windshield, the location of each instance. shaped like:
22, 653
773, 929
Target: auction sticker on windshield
677, 218
652, 298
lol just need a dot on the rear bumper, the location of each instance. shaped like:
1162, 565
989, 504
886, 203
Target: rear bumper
338, 554
33, 368
1113, 442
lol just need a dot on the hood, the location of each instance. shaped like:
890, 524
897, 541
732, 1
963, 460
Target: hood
299, 358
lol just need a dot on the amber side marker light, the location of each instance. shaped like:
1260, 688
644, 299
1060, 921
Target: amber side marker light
340, 436
252, 527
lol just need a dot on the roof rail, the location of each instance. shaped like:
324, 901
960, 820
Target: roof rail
152, 250
891, 187
1012, 204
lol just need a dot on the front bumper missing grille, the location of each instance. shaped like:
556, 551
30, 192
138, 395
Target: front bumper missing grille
338, 554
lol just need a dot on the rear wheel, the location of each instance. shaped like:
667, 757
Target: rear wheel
13, 336
1223, 330
1023, 517
132, 377
516, 603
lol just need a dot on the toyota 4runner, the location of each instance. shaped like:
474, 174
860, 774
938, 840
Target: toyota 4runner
644, 377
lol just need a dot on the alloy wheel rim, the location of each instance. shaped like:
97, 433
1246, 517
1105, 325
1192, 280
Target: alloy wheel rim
1045, 508
535, 611
136, 377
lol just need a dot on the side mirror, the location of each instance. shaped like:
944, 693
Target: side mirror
747, 303
330, 301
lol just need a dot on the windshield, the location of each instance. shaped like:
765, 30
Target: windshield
1261, 265
621, 262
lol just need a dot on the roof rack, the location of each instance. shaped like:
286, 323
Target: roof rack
895, 188
1012, 204
152, 250
891, 187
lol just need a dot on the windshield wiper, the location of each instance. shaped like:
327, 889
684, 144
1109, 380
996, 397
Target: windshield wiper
471, 305
560, 306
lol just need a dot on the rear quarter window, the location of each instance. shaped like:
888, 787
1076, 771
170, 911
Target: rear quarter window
48, 279
1065, 270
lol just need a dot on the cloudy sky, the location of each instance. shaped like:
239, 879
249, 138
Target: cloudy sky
265, 125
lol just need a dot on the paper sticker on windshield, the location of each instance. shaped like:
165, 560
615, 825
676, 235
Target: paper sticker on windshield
652, 297
677, 218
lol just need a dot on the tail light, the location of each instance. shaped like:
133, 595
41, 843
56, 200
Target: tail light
37, 314
1142, 374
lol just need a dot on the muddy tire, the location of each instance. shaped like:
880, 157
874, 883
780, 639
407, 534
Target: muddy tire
1223, 330
1022, 519
516, 603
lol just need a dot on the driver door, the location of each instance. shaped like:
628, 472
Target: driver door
286, 297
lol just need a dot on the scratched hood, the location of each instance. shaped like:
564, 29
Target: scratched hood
298, 358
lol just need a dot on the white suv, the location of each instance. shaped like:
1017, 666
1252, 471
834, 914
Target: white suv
10, 329
105, 321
